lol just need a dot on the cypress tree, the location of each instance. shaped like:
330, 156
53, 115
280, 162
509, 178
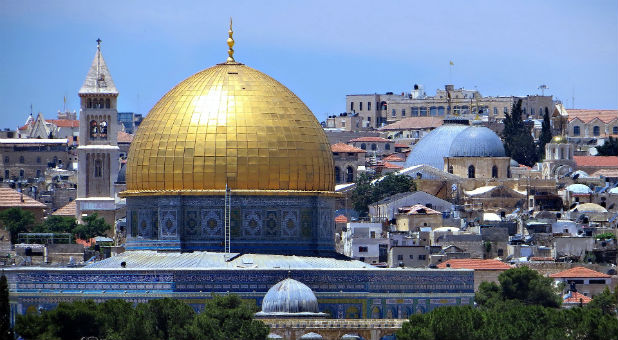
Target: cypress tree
545, 136
518, 141
5, 310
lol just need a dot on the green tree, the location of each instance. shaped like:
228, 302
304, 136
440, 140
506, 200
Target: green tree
57, 224
545, 136
365, 192
161, 319
610, 148
93, 226
72, 321
114, 317
522, 284
228, 317
5, 310
518, 141
16, 221
607, 302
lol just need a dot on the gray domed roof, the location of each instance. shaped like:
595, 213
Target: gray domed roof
477, 141
289, 296
432, 148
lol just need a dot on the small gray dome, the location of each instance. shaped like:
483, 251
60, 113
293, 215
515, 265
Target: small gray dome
513, 163
290, 296
311, 336
477, 141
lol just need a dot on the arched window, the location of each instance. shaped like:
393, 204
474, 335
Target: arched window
89, 103
103, 129
21, 173
576, 131
94, 129
98, 171
349, 175
471, 171
494, 172
374, 147
21, 159
107, 103
363, 146
387, 146
337, 175
38, 173
450, 169
596, 131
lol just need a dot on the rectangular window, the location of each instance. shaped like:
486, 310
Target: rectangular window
394, 113
403, 112
373, 234
422, 257
505, 109
369, 119
600, 282
362, 249
368, 106
399, 257
411, 257
352, 106
414, 111
360, 106
495, 111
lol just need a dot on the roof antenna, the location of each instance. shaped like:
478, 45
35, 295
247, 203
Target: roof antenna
230, 44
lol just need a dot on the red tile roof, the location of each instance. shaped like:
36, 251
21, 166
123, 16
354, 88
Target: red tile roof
588, 115
391, 166
341, 147
399, 145
576, 297
605, 173
393, 158
419, 209
124, 137
68, 210
476, 264
596, 161
341, 219
370, 139
411, 123
10, 198
64, 122
582, 272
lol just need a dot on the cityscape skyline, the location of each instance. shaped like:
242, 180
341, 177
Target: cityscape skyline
320, 51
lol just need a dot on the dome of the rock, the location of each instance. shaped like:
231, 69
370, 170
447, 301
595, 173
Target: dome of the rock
229, 124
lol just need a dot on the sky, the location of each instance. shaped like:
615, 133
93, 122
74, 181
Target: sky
321, 50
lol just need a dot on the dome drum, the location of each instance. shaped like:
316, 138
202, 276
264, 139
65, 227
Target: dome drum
287, 225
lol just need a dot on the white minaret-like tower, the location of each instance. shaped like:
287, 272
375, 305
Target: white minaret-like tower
98, 152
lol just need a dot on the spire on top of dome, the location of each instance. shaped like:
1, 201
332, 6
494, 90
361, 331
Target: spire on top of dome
230, 44
98, 80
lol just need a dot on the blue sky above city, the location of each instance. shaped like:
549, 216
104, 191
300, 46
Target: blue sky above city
321, 50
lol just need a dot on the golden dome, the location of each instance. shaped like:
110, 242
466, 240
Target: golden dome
229, 124
558, 139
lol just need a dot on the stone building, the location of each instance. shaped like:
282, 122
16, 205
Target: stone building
24, 159
558, 160
375, 146
98, 152
349, 160
484, 270
418, 216
377, 110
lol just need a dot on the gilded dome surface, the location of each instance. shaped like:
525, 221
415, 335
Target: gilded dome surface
229, 124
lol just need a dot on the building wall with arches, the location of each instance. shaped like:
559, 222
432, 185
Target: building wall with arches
479, 167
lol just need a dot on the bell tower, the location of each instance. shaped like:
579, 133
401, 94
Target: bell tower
98, 152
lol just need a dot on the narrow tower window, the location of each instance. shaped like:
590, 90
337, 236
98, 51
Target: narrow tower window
103, 129
94, 129
471, 171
